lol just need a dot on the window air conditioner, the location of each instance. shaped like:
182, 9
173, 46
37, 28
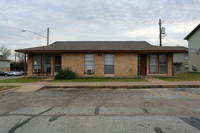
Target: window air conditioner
89, 71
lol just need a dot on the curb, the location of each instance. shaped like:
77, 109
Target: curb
128, 87
9, 91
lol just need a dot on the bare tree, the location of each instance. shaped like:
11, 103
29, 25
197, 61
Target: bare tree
20, 57
5, 52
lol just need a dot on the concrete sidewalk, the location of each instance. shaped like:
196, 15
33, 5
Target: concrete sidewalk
31, 87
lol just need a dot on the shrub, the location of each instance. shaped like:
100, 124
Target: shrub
65, 74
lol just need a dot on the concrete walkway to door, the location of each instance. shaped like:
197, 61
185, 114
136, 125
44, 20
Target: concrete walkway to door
152, 79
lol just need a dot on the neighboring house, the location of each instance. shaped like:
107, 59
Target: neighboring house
102, 58
193, 39
4, 65
180, 62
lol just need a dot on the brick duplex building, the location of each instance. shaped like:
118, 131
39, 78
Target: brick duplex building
102, 58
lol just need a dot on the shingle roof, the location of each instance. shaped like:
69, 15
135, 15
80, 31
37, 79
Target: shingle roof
102, 46
192, 32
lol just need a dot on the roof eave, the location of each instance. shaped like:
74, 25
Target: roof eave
192, 32
86, 51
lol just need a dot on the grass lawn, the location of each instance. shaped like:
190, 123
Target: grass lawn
102, 79
21, 80
190, 76
2, 88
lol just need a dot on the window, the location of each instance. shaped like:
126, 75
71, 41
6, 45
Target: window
158, 63
89, 63
42, 63
186, 56
109, 63
163, 63
46, 63
178, 68
37, 63
57, 63
153, 63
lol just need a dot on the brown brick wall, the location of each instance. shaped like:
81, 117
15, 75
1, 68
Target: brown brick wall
170, 64
74, 61
125, 64
99, 65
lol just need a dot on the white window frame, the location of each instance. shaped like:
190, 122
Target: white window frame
157, 64
153, 64
160, 64
89, 62
185, 56
109, 62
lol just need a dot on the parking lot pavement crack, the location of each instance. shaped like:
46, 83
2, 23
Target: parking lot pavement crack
158, 130
145, 111
13, 129
54, 118
97, 110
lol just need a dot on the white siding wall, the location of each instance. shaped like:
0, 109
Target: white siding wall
194, 42
194, 51
4, 64
179, 57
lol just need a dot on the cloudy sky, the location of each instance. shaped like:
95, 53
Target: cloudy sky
96, 20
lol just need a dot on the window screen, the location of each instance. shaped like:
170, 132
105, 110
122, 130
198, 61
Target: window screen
163, 63
178, 68
153, 63
57, 63
37, 63
89, 62
109, 63
46, 63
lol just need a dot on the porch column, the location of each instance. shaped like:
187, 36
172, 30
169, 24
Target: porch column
52, 65
25, 64
170, 64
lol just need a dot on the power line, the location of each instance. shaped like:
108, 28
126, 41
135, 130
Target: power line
10, 18
171, 42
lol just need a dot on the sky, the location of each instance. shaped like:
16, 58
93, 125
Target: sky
96, 20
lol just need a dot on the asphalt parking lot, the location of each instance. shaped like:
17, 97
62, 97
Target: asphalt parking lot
101, 111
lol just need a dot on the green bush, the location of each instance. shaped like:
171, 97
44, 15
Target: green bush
65, 74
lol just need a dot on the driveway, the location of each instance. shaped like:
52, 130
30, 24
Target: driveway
101, 111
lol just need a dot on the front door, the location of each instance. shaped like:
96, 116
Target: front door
57, 64
143, 64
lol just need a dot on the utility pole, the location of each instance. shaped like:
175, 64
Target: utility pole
160, 32
47, 36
